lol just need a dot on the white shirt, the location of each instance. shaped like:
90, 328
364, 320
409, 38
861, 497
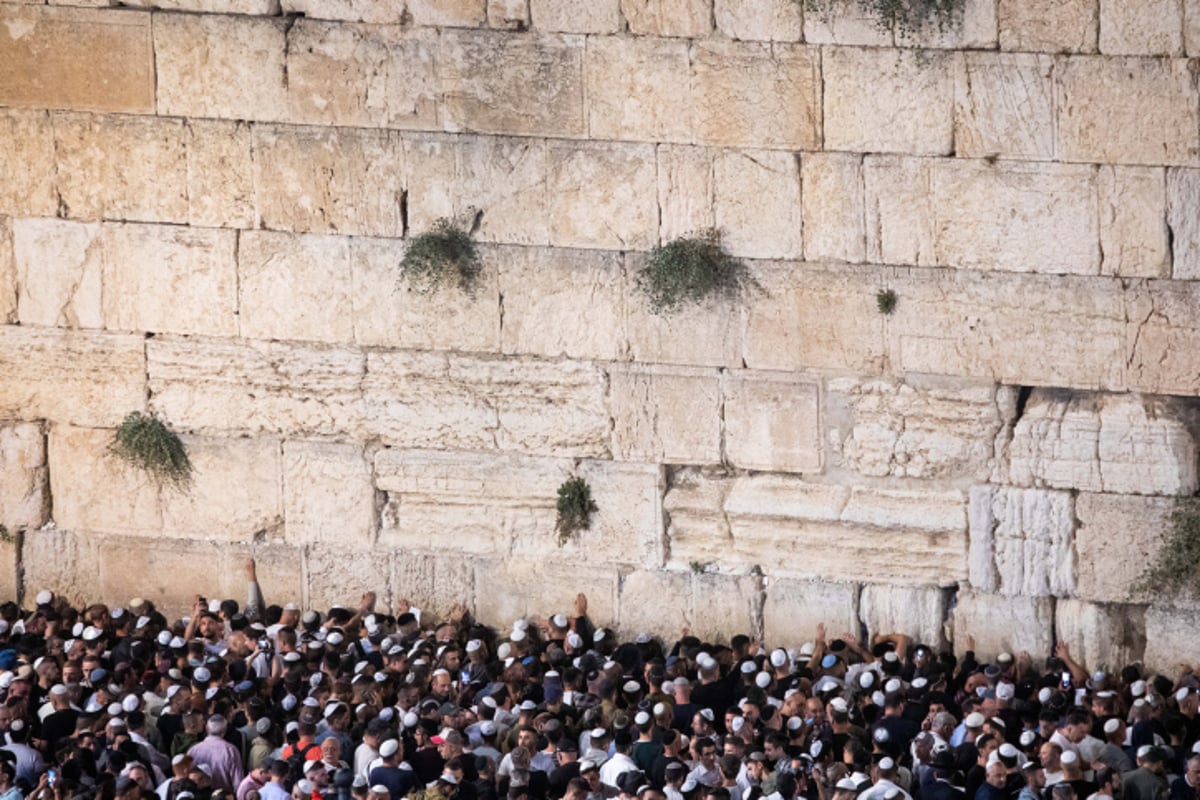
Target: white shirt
615, 767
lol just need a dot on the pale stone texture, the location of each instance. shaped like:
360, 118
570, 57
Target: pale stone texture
220, 174
8, 273
460, 402
756, 95
390, 312
1004, 106
975, 28
793, 609
542, 313
121, 168
59, 267
685, 191
11, 582
899, 220
687, 18
1101, 634
448, 13
1170, 638
336, 574
757, 203
833, 204
62, 562
883, 100
665, 414
637, 89
1183, 220
1003, 624
76, 58
24, 490
1162, 335
772, 422
773, 20
924, 427
263, 8
1149, 28
1133, 234
254, 387
70, 376
495, 82
916, 611
1105, 443
603, 195
627, 528
844, 22
1021, 542
1117, 537
1127, 111
1191, 26
598, 16
723, 606
1050, 26
27, 160
432, 583
294, 287
644, 604
431, 166
328, 494
504, 179
382, 12
221, 66
517, 589
509, 14
361, 75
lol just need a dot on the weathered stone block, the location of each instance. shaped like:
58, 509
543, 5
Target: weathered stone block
687, 18
433, 583
603, 196
665, 414
59, 268
1127, 111
24, 490
448, 13
27, 160
64, 562
843, 22
1106, 443
697, 530
255, 387
516, 589
1133, 234
542, 312
637, 89
1170, 639
1118, 536
685, 191
792, 610
221, 66
381, 12
1049, 26
883, 100
628, 527
1004, 106
294, 287
1183, 220
771, 21
1151, 28
772, 422
328, 494
757, 203
431, 163
974, 28
756, 95
340, 576
599, 16
11, 583
654, 602
1003, 624
485, 80
508, 14
1162, 335
1021, 541
8, 273
76, 58
220, 175
121, 168
463, 403
505, 180
1101, 634
723, 606
833, 207
69, 376
361, 75
262, 8
918, 611
900, 227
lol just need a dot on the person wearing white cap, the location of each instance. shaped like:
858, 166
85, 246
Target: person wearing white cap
884, 773
223, 758
394, 772
1113, 753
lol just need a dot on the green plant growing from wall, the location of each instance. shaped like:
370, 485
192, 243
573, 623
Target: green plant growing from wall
144, 442
1177, 566
445, 255
690, 270
905, 17
885, 301
575, 508
698, 567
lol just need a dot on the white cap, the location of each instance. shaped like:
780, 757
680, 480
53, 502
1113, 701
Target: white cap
631, 687
1069, 757
130, 703
474, 645
1008, 751
867, 679
737, 723
389, 748
1112, 726
794, 723
641, 719
44, 597
520, 625
411, 720
893, 685
574, 640
1182, 694
748, 667
1044, 695
559, 620
762, 680
887, 764
846, 785
1005, 691
778, 658
517, 636
974, 720
487, 728
201, 674
1137, 688
1027, 738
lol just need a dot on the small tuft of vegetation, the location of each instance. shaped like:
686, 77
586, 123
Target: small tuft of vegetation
691, 270
445, 255
5, 536
905, 17
1177, 567
144, 442
885, 301
699, 567
575, 507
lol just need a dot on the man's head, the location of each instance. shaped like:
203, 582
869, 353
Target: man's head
996, 775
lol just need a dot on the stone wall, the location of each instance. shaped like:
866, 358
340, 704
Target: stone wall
204, 202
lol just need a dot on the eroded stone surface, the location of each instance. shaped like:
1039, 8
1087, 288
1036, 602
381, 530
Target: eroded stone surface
603, 196
1183, 217
452, 13
1152, 28
793, 609
757, 203
774, 21
24, 490
1021, 541
1003, 624
1004, 106
1101, 634
666, 414
1170, 638
1134, 238
1117, 538
59, 268
384, 12
28, 158
601, 16
328, 494
1048, 26
772, 422
686, 18
433, 584
916, 611
294, 287
637, 89
833, 206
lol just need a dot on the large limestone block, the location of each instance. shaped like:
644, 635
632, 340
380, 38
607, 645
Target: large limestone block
338, 575
748, 94
448, 401
654, 602
1127, 111
24, 489
722, 606
8, 273
1101, 635
1191, 26
919, 611
448, 13
685, 191
772, 421
757, 203
1003, 624
27, 159
328, 494
361, 75
69, 376
833, 206
793, 609
121, 168
381, 12
508, 14
11, 581
698, 531
59, 268
637, 89
1162, 336
64, 562
255, 387
974, 28
748, 20
509, 590
294, 287
1183, 221
566, 16
1150, 28
220, 174
844, 22
1170, 639
504, 179
347, 182
1004, 106
390, 312
1134, 237
900, 221
265, 8
221, 66
1124, 443
883, 100
690, 19
431, 162
487, 85
542, 311
433, 583
76, 58
1049, 26
664, 414
924, 427
1022, 541
603, 195
1117, 538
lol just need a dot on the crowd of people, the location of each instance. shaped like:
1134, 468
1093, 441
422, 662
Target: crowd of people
261, 702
